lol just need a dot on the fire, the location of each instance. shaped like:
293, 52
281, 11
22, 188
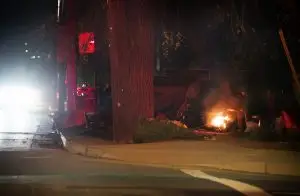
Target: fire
220, 121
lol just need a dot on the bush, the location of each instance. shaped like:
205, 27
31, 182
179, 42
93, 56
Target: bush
157, 130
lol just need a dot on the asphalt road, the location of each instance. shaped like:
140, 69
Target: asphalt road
57, 168
28, 170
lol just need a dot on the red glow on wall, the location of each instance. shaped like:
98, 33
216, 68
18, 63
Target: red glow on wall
86, 43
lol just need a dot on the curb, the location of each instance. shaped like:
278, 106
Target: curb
86, 151
248, 167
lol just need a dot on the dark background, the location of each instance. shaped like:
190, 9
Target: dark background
20, 19
20, 16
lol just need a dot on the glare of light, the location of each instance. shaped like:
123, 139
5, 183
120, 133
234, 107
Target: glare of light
15, 97
25, 43
38, 57
32, 57
26, 50
2, 121
58, 10
23, 119
17, 121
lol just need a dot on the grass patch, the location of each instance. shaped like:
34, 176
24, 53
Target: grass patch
162, 130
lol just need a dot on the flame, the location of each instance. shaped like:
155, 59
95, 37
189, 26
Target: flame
220, 120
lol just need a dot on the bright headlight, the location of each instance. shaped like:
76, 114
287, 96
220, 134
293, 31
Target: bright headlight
19, 96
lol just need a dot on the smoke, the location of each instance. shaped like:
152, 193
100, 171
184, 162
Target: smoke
221, 98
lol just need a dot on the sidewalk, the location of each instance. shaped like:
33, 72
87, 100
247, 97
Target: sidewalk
219, 154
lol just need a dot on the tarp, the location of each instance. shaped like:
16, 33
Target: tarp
287, 120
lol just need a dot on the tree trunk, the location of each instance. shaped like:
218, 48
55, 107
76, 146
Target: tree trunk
132, 60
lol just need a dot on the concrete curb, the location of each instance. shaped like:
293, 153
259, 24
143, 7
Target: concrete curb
87, 151
289, 169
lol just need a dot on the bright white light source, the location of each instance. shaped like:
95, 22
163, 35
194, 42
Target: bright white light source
26, 50
32, 57
58, 10
23, 120
19, 97
25, 43
18, 121
38, 57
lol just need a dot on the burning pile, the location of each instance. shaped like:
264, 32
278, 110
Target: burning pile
221, 107
220, 121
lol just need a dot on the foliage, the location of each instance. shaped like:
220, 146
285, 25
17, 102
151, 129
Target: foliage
171, 42
175, 50
157, 130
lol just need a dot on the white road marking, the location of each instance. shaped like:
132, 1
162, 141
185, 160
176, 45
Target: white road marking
241, 187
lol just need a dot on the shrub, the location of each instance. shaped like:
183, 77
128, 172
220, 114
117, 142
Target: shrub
161, 130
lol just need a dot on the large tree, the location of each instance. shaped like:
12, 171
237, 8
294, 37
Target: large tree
132, 60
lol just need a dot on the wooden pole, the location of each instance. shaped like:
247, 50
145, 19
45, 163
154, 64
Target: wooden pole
289, 58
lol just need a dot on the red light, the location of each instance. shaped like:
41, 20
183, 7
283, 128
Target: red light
86, 43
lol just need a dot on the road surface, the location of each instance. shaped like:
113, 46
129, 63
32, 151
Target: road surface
20, 130
27, 170
56, 167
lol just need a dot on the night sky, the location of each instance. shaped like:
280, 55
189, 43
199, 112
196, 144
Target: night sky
21, 16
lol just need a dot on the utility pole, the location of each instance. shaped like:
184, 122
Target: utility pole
289, 58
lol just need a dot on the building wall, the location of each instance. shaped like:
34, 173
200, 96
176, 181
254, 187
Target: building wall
92, 18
